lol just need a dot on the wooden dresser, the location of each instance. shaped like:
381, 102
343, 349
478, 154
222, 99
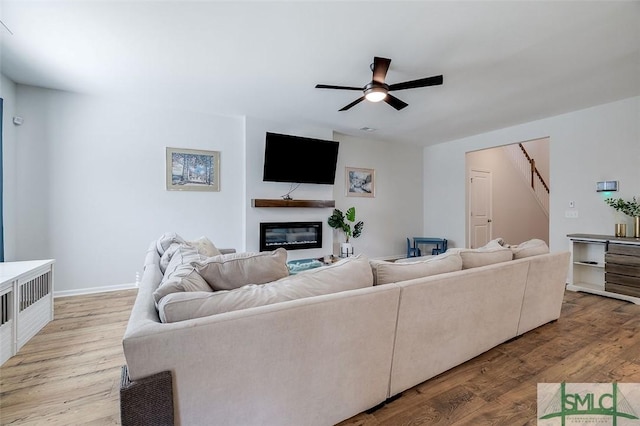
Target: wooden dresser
606, 265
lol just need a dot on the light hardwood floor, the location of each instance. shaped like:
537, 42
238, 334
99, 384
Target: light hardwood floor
70, 372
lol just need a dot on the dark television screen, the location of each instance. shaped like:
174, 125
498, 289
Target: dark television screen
297, 159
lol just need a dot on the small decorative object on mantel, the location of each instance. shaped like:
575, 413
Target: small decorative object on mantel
342, 222
630, 208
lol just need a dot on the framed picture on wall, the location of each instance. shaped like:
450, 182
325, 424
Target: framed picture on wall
192, 170
360, 182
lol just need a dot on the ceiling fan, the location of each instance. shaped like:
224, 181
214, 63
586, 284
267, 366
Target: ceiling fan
377, 90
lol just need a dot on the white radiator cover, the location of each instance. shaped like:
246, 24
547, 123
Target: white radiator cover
26, 303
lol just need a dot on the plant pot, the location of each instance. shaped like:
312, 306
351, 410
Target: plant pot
346, 250
621, 230
636, 227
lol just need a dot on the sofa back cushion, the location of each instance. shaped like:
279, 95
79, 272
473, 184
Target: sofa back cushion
532, 247
391, 272
231, 271
348, 274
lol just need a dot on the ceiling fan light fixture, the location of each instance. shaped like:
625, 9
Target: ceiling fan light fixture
376, 94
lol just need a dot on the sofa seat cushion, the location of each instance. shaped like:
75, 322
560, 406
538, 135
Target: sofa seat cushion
529, 248
231, 271
391, 272
348, 274
493, 252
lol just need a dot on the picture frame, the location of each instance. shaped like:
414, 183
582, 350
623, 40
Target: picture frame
192, 170
360, 182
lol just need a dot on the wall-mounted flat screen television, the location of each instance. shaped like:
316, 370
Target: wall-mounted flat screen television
301, 160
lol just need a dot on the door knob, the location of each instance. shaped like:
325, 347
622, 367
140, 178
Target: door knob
488, 220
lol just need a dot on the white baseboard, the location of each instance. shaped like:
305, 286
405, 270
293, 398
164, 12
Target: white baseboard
91, 290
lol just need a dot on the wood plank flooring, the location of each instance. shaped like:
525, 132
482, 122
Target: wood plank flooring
70, 372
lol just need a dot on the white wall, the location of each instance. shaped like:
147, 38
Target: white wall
256, 130
394, 214
396, 211
587, 146
91, 183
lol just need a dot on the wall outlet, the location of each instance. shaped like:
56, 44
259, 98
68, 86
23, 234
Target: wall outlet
571, 214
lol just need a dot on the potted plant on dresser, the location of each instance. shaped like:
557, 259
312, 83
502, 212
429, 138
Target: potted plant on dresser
630, 208
347, 224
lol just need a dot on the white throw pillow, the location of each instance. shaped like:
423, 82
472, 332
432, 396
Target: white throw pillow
184, 278
165, 259
532, 247
165, 240
205, 247
348, 274
230, 271
493, 252
391, 272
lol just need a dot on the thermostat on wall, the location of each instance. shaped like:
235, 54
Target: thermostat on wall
607, 185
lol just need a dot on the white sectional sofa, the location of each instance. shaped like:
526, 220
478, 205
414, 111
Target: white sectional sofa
321, 359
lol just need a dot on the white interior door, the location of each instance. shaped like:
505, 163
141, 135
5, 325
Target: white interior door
479, 208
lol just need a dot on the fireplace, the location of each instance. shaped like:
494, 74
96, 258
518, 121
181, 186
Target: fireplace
290, 235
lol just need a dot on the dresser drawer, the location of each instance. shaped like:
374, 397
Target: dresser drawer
622, 289
610, 278
622, 269
621, 259
626, 249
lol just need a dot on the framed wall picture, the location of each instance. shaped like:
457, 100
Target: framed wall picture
193, 170
360, 182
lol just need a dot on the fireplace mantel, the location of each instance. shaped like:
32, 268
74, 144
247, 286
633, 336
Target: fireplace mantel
261, 202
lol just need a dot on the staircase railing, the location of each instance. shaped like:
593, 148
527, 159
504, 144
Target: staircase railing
527, 168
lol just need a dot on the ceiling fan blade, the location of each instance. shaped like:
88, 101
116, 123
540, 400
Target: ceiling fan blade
356, 102
422, 82
395, 102
328, 86
380, 68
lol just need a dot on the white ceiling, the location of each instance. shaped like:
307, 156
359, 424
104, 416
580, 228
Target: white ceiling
504, 62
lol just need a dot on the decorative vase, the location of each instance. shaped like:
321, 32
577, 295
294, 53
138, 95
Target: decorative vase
636, 227
346, 250
621, 230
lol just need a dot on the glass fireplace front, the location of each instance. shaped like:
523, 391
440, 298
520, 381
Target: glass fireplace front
290, 235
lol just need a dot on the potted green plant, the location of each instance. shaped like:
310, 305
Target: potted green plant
347, 224
630, 208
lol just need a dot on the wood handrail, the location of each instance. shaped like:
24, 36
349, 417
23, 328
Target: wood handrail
534, 169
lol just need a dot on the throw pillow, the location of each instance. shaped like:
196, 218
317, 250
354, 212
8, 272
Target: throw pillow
167, 255
165, 240
205, 247
529, 248
348, 274
391, 272
184, 278
183, 254
230, 271
493, 252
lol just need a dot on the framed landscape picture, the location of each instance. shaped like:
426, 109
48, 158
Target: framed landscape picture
360, 182
193, 170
